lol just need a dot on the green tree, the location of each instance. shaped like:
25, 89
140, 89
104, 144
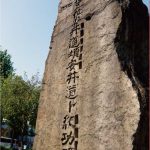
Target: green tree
6, 65
20, 103
6, 69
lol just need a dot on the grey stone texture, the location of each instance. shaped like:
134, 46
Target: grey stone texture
112, 88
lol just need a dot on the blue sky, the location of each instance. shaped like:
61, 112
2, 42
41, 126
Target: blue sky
147, 3
25, 31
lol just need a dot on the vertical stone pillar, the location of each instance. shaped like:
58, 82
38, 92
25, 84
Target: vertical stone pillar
95, 87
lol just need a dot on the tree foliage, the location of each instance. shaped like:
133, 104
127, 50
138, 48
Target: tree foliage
6, 65
20, 99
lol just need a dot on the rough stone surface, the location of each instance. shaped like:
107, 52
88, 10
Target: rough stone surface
112, 101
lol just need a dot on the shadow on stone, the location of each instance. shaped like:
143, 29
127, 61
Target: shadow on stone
133, 53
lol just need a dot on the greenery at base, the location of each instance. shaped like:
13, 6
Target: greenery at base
19, 98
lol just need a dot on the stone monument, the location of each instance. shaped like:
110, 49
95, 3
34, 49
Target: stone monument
95, 87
